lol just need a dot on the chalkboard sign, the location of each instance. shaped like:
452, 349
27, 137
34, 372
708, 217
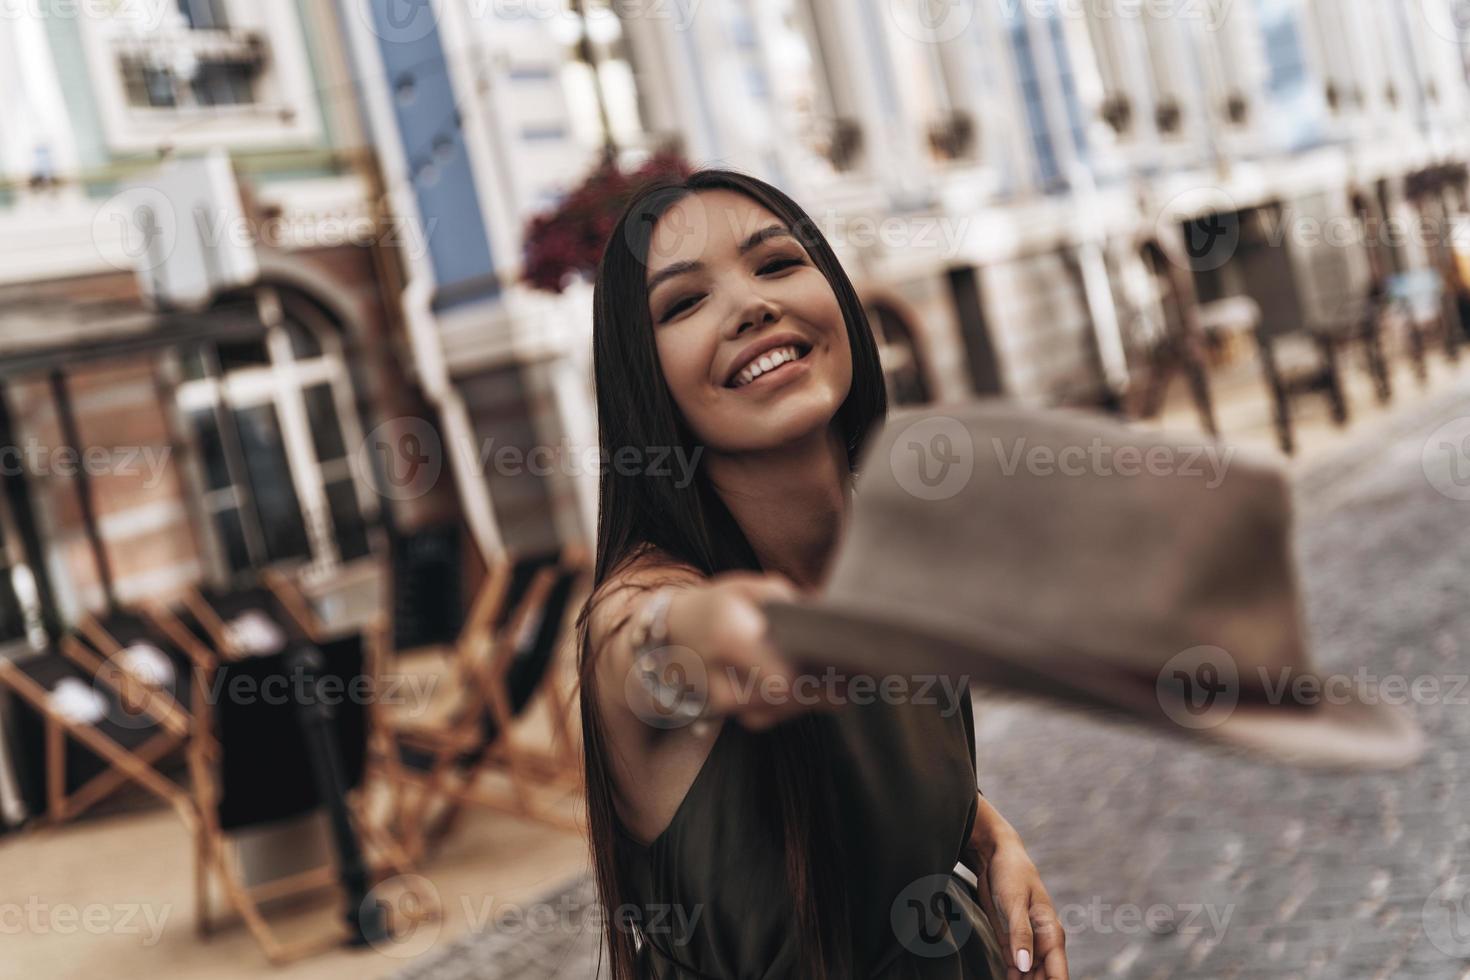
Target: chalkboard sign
428, 586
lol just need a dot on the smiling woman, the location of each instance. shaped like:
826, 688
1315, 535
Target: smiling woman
751, 336
798, 840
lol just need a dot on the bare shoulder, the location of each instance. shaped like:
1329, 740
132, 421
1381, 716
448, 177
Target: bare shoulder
612, 605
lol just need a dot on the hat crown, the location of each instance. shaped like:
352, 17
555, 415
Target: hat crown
1077, 533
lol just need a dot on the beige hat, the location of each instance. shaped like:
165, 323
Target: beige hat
1073, 558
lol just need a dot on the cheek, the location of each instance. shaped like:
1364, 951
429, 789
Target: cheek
816, 303
823, 310
685, 361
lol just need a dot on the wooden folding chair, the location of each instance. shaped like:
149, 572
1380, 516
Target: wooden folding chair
87, 760
183, 693
254, 765
437, 768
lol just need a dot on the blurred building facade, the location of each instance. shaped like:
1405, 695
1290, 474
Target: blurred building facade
991, 173
995, 174
221, 435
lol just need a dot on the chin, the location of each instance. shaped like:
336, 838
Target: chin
789, 421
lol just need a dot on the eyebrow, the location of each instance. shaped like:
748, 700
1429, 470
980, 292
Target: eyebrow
679, 268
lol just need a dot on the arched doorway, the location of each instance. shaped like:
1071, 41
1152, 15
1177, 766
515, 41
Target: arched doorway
904, 369
272, 422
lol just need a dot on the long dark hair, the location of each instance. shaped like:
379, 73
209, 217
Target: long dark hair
691, 525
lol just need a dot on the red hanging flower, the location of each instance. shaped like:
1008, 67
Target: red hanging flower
569, 238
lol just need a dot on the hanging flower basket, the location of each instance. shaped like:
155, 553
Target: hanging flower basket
567, 240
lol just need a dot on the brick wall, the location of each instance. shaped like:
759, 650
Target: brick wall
137, 498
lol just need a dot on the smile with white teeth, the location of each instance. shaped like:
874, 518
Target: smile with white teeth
768, 361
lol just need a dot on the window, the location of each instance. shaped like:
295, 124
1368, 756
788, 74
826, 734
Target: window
175, 71
802, 86
273, 427
1223, 33
937, 85
1115, 105
599, 76
200, 73
1033, 97
1294, 119
1344, 80
1067, 78
1164, 40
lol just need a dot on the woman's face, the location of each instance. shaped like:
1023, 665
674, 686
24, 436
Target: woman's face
750, 337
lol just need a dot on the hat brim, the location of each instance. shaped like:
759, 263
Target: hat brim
1332, 733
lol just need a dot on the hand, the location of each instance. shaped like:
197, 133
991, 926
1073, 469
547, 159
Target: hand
1018, 904
722, 623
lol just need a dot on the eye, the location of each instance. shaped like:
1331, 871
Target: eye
679, 307
776, 265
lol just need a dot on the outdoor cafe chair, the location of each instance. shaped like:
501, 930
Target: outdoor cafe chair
437, 768
91, 730
259, 768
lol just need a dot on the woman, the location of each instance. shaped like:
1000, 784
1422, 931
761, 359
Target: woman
767, 838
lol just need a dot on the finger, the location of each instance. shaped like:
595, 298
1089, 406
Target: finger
1019, 939
995, 908
768, 587
1054, 967
1051, 941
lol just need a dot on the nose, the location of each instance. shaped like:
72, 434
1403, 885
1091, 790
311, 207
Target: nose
755, 310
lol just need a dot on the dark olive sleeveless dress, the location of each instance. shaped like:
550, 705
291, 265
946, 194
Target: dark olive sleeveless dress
711, 889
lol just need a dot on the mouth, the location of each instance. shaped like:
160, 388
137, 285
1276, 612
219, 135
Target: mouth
769, 363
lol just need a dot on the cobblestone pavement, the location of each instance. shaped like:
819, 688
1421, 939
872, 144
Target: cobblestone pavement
1171, 860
